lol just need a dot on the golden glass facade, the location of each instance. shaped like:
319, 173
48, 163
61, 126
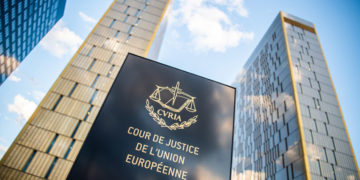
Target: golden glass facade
48, 145
289, 123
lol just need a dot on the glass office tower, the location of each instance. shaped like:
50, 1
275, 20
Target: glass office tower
23, 23
48, 145
289, 123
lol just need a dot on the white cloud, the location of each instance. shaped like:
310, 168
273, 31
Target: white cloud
14, 78
209, 25
61, 40
22, 107
3, 149
86, 18
235, 5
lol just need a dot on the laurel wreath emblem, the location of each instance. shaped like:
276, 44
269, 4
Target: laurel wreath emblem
162, 123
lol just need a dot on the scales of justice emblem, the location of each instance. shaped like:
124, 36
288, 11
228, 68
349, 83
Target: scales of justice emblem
169, 108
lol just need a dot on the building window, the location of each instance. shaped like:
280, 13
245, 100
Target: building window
92, 64
333, 170
69, 149
19, 7
110, 71
93, 84
274, 36
137, 13
7, 31
126, 18
112, 23
105, 43
128, 38
326, 130
130, 29
116, 34
137, 21
51, 168
57, 103
6, 5
29, 160
93, 96
52, 143
13, 26
13, 13
91, 50
88, 112
76, 128
19, 20
127, 9
73, 89
111, 57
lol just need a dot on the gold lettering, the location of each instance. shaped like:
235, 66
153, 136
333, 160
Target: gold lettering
155, 166
134, 160
178, 118
172, 171
170, 156
170, 115
141, 162
151, 151
159, 112
128, 158
139, 133
130, 128
196, 152
147, 135
183, 147
184, 174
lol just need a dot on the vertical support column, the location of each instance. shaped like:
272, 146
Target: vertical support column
296, 99
337, 100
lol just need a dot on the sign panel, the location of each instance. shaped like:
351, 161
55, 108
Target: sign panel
159, 122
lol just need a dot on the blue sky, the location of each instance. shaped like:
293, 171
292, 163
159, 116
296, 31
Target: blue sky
211, 38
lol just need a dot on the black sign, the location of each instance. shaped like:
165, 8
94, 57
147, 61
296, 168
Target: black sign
159, 122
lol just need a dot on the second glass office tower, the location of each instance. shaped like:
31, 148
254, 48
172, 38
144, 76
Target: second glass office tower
289, 124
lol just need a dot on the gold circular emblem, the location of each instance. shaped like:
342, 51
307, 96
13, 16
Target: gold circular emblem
174, 101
